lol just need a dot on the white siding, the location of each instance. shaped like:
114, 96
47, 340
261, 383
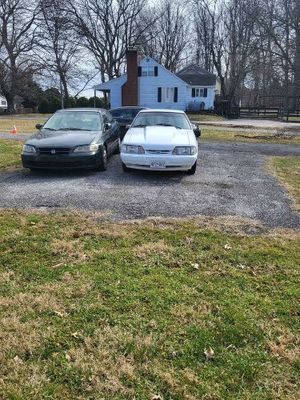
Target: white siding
208, 101
148, 87
115, 87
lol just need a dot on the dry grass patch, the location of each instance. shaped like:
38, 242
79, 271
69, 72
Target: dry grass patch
68, 251
159, 249
252, 137
10, 154
24, 125
287, 170
19, 337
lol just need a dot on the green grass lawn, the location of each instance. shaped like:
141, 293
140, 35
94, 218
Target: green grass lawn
287, 170
181, 310
23, 125
10, 154
253, 137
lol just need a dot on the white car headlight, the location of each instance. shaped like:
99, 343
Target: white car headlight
132, 149
27, 148
184, 150
90, 148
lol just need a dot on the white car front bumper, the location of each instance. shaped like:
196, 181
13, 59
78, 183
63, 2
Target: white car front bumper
158, 162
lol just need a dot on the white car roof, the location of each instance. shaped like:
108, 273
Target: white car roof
162, 110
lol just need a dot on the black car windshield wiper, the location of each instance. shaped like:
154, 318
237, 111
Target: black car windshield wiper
139, 126
72, 129
50, 129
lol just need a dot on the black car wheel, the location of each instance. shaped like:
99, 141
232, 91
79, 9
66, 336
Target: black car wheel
103, 162
117, 150
192, 170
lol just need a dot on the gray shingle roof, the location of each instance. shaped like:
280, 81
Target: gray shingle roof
196, 76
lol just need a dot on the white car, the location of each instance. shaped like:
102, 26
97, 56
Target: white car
160, 140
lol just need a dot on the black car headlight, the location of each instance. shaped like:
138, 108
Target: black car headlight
89, 148
29, 149
184, 150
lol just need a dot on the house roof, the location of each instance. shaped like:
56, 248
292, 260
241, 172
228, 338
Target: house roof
196, 76
106, 85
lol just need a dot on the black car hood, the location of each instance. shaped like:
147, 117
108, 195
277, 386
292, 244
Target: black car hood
46, 138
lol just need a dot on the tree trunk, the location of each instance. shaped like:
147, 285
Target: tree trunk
10, 102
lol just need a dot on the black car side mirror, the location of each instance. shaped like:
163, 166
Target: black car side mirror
107, 125
39, 126
196, 130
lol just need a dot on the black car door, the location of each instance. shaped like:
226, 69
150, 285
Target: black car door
107, 133
112, 131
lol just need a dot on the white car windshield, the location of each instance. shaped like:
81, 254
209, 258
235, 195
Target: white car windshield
177, 120
74, 121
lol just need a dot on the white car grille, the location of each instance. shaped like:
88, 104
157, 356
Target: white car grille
158, 151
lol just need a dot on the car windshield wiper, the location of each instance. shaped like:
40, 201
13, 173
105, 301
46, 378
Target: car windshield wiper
139, 126
50, 129
72, 129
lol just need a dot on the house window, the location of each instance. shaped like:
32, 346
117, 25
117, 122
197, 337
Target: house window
3, 102
197, 92
167, 95
148, 71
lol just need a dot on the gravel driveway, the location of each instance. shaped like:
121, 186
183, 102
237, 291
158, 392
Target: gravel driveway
231, 179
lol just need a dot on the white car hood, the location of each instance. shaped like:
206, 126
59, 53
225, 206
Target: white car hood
160, 137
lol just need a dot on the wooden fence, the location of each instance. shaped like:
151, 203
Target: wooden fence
264, 113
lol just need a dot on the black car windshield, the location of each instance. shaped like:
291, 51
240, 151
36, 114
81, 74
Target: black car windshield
163, 119
125, 113
74, 121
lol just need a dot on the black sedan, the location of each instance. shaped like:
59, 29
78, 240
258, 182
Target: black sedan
125, 116
73, 138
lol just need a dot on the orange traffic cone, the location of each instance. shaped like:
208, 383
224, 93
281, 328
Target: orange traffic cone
14, 130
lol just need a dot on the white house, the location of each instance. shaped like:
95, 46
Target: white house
3, 103
149, 84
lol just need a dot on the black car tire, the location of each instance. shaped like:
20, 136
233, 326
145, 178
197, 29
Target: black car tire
125, 168
117, 150
192, 170
103, 162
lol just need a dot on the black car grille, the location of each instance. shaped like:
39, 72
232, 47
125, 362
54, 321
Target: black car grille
53, 150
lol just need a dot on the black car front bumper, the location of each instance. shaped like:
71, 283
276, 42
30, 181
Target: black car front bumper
65, 161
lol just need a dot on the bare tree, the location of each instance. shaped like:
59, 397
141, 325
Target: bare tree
281, 22
226, 41
17, 39
167, 37
211, 38
106, 28
58, 49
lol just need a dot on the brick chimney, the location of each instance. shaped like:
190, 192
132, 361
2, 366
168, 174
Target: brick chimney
130, 87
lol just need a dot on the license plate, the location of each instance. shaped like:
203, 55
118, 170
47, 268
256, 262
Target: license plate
158, 164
